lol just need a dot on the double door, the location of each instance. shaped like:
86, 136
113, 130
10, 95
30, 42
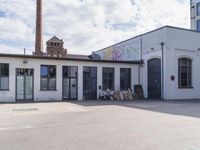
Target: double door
70, 82
24, 85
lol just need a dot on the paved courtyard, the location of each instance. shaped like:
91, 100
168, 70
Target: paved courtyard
95, 125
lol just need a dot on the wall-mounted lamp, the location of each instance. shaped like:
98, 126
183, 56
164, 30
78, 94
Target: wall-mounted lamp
152, 49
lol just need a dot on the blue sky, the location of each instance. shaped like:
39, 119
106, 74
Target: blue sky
86, 25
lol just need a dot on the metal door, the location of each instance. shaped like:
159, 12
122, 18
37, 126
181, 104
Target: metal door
154, 78
89, 83
24, 85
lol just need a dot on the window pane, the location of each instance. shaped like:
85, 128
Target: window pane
93, 72
125, 78
198, 9
44, 71
108, 78
4, 69
198, 25
185, 72
65, 71
52, 71
52, 84
44, 84
4, 83
73, 71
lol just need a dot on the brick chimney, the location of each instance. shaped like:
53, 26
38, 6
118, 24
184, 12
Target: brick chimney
39, 30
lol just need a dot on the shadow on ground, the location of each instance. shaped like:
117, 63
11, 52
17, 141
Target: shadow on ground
189, 108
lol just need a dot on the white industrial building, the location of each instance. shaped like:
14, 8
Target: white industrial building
33, 78
164, 61
170, 55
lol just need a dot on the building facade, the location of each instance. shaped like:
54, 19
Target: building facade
33, 78
171, 61
195, 14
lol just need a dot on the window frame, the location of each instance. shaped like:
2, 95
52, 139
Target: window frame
107, 78
198, 9
48, 78
188, 71
3, 76
198, 25
128, 79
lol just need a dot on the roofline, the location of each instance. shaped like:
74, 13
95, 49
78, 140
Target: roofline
140, 35
71, 59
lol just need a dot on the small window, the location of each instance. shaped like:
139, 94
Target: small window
198, 9
108, 78
4, 76
125, 78
198, 25
48, 78
185, 73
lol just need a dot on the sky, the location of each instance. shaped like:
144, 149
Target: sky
86, 25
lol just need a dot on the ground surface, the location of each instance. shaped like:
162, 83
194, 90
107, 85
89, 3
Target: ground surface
141, 125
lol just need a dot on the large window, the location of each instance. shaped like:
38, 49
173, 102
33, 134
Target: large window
4, 77
185, 73
198, 25
198, 9
125, 78
48, 78
108, 78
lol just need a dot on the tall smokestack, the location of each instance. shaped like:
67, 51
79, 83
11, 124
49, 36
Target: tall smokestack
39, 29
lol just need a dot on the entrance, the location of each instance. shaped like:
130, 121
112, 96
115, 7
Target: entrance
89, 83
24, 85
154, 78
70, 82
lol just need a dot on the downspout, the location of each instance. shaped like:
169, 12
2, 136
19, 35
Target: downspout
162, 77
139, 71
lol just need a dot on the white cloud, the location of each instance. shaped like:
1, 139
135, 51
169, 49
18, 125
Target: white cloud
87, 25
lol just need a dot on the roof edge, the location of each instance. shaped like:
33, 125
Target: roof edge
70, 59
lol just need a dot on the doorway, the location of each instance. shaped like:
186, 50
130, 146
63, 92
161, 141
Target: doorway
24, 85
154, 78
70, 82
89, 83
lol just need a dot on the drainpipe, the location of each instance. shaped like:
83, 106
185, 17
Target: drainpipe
162, 77
139, 74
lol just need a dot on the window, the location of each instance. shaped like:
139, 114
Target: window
4, 77
108, 78
198, 25
48, 78
198, 9
185, 73
125, 78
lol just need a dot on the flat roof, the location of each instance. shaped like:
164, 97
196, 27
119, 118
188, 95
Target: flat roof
167, 26
69, 58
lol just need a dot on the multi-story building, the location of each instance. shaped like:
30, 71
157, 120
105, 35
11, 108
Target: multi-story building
195, 14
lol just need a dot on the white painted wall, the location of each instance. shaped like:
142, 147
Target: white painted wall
177, 43
182, 43
9, 96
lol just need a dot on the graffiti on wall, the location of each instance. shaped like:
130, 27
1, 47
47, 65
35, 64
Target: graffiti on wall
128, 50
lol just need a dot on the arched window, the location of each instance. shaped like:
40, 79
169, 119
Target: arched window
185, 73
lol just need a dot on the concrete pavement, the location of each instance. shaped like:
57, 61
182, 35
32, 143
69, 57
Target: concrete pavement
94, 125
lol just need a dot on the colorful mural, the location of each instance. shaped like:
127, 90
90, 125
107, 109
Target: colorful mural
128, 50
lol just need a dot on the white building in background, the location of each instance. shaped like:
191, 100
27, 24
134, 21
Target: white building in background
195, 14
